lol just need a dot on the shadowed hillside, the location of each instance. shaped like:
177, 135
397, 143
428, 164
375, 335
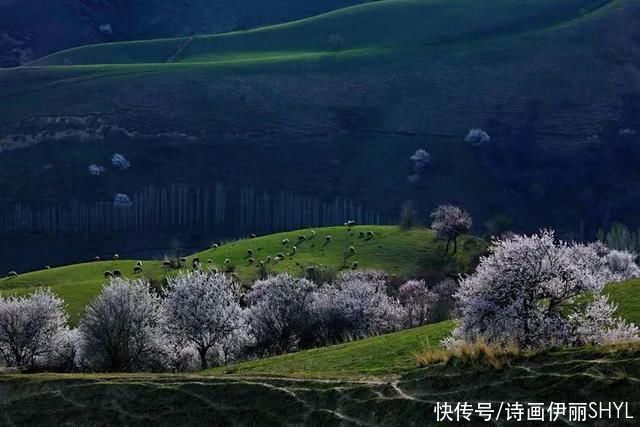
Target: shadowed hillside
329, 110
32, 28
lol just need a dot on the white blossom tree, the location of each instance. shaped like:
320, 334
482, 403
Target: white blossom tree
202, 311
96, 170
355, 306
450, 222
279, 312
120, 330
477, 137
418, 302
531, 290
120, 162
33, 331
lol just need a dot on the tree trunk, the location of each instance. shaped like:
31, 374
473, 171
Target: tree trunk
203, 358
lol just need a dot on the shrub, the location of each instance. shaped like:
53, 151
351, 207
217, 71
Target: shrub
418, 302
202, 311
336, 42
478, 355
320, 275
408, 216
33, 331
120, 329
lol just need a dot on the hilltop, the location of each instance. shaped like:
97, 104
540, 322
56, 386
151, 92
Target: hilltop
30, 29
412, 253
252, 130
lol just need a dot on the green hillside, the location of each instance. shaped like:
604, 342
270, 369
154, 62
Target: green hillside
391, 354
382, 25
575, 375
281, 108
404, 253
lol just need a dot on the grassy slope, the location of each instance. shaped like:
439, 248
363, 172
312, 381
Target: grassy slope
577, 375
405, 253
377, 25
390, 354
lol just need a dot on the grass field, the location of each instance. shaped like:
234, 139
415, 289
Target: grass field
576, 375
391, 354
411, 74
404, 253
363, 28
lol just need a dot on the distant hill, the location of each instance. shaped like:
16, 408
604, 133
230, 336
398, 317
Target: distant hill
313, 122
33, 28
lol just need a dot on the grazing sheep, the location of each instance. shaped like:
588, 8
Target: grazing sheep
137, 269
313, 234
251, 260
285, 242
280, 255
166, 263
252, 236
361, 235
350, 224
354, 266
209, 261
294, 250
139, 263
268, 259
250, 252
108, 275
370, 235
47, 267
116, 256
276, 260
327, 239
117, 273
227, 261
96, 258
352, 250
214, 246
302, 238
